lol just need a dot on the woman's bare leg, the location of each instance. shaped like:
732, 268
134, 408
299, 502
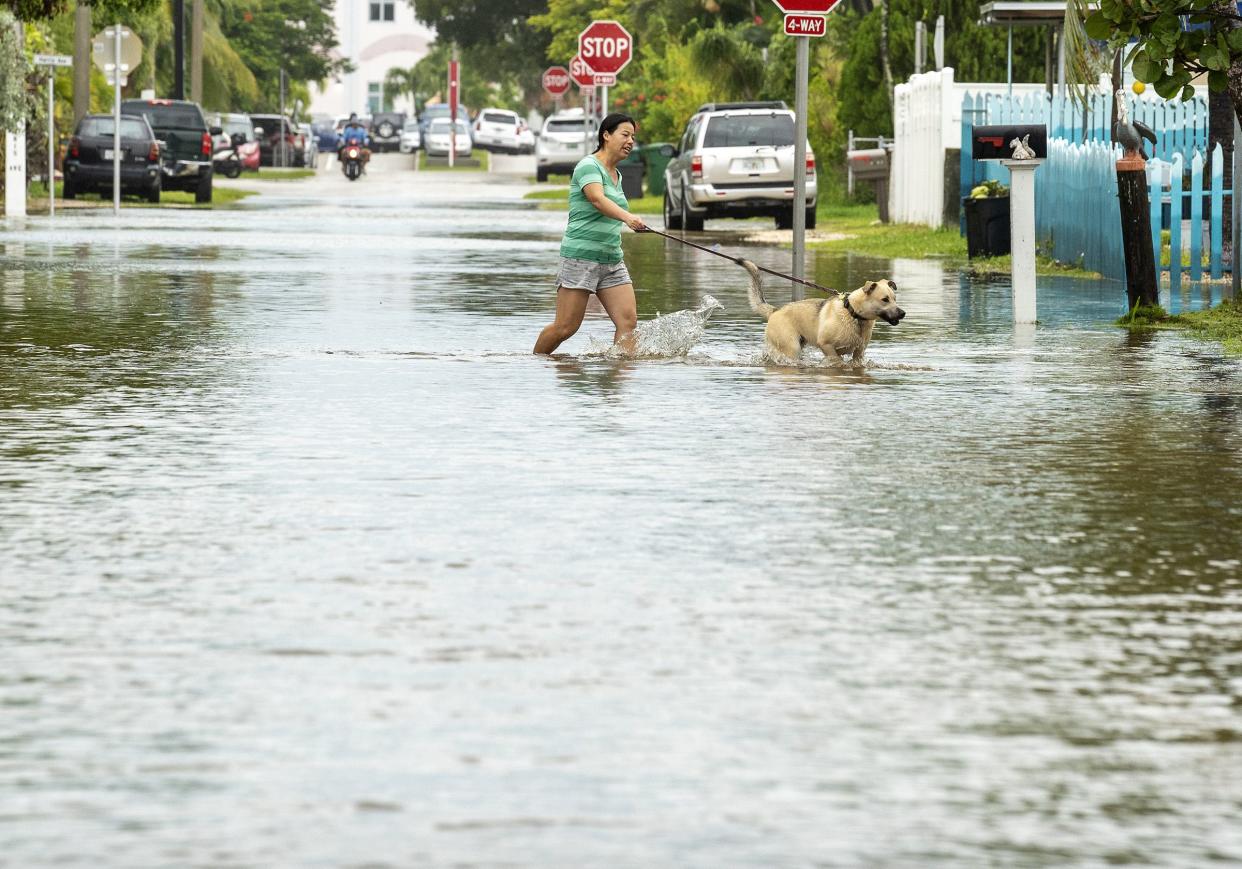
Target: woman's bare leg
570, 306
621, 306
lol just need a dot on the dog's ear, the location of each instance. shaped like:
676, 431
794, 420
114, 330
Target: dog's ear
892, 284
869, 287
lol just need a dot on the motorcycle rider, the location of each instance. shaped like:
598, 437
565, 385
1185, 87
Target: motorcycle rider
355, 133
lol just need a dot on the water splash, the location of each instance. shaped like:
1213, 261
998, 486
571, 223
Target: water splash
667, 335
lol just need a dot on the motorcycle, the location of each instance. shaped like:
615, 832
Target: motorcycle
351, 161
227, 161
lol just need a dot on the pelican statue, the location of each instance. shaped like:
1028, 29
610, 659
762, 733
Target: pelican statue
1130, 134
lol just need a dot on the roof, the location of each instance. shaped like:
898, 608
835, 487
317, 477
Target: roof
778, 105
1017, 13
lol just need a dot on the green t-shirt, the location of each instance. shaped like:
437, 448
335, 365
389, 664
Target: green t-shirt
590, 235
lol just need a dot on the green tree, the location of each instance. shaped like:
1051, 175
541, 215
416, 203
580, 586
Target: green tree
1174, 41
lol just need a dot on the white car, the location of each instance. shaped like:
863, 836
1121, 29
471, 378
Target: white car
411, 138
438, 138
561, 144
498, 130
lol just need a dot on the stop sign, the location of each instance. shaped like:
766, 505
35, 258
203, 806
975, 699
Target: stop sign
583, 75
606, 47
819, 6
556, 80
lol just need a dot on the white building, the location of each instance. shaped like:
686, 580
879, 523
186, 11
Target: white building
376, 36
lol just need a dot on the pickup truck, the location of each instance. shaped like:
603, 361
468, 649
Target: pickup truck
186, 143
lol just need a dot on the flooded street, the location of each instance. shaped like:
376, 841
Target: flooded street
307, 561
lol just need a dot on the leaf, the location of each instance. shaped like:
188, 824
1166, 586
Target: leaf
1099, 27
1218, 81
1188, 93
1147, 70
1235, 40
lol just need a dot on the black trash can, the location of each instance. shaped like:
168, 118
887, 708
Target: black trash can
987, 226
631, 170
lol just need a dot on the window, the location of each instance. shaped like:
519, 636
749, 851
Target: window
383, 10
375, 97
741, 130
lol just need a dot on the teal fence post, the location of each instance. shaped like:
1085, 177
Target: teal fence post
1217, 215
1155, 195
1196, 217
1175, 227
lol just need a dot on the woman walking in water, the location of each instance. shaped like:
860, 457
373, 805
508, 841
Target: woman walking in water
591, 260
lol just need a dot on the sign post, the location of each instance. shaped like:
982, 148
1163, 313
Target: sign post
116, 50
556, 82
584, 77
53, 61
804, 19
454, 82
607, 48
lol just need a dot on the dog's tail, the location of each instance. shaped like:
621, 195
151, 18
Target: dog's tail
758, 303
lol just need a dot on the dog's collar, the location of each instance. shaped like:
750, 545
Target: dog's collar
845, 300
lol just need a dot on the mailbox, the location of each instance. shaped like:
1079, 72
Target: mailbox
994, 142
868, 164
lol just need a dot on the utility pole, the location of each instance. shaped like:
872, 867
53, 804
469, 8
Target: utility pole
178, 49
196, 51
82, 32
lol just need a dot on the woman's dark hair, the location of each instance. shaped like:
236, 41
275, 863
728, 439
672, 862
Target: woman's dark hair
610, 124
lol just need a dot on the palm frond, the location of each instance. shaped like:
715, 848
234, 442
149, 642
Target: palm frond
1085, 61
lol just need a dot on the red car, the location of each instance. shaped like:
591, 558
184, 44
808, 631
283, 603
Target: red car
237, 130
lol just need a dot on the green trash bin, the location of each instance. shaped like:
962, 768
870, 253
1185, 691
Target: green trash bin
656, 157
631, 169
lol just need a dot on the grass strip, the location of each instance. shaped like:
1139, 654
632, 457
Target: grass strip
558, 200
220, 197
1222, 323
484, 158
272, 173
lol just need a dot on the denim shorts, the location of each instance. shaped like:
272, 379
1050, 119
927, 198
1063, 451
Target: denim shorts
581, 274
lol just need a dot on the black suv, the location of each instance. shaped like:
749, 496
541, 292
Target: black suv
386, 130
185, 143
88, 165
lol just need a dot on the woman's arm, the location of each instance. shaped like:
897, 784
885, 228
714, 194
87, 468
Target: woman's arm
594, 193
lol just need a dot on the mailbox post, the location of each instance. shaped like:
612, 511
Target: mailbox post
1021, 148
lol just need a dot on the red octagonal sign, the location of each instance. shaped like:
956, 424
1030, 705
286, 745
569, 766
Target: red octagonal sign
815, 6
556, 80
606, 47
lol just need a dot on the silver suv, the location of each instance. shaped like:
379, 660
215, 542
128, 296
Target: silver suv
736, 160
562, 143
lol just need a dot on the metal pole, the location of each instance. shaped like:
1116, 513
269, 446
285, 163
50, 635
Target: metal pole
919, 52
281, 133
1009, 62
603, 104
51, 139
799, 203
116, 120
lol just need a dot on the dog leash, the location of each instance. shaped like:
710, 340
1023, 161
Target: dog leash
738, 260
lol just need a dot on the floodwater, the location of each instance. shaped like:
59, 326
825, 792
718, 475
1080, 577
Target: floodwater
305, 561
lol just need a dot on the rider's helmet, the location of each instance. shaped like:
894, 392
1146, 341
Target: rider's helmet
353, 117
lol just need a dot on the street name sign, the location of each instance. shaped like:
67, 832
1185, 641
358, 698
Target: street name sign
583, 75
53, 60
556, 80
606, 47
805, 25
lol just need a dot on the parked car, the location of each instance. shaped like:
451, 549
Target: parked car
275, 129
325, 136
736, 160
237, 129
88, 163
185, 155
310, 145
497, 130
439, 110
386, 130
437, 143
562, 143
411, 138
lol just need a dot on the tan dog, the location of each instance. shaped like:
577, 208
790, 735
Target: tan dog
837, 326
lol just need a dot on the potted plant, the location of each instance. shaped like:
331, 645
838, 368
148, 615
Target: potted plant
987, 220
